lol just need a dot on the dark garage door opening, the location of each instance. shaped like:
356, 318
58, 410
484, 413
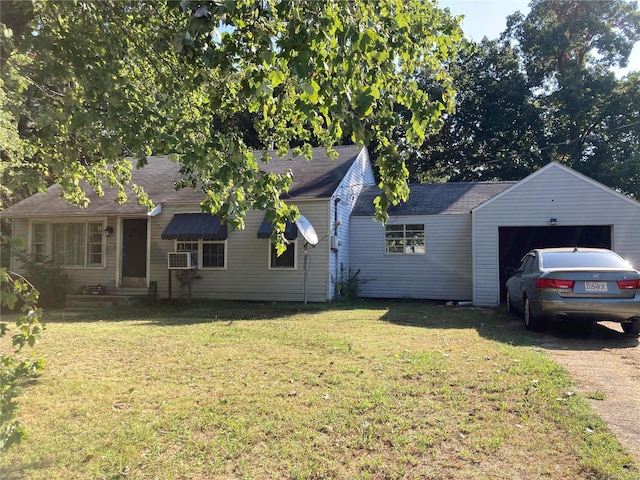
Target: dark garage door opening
516, 241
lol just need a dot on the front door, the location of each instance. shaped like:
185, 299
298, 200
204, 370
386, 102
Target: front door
134, 252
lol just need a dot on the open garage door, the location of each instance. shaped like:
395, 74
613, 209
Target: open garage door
515, 242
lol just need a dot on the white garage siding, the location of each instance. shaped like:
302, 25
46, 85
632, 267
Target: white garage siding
247, 275
556, 192
442, 273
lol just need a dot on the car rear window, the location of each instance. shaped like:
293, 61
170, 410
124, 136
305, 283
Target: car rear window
582, 260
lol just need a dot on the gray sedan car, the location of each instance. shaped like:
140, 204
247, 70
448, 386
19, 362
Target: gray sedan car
589, 284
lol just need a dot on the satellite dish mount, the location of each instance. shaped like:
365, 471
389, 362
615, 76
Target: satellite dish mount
310, 238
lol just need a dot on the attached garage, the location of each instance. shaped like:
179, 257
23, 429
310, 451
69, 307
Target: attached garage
555, 206
470, 232
515, 242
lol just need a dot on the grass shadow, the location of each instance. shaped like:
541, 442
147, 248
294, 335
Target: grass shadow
496, 324
183, 312
491, 323
586, 336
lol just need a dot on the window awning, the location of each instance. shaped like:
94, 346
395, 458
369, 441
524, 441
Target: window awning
194, 226
266, 229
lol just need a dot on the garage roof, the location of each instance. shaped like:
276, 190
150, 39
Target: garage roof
434, 198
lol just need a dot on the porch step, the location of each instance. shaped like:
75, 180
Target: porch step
87, 302
131, 291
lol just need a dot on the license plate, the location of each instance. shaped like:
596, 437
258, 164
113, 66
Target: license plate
595, 287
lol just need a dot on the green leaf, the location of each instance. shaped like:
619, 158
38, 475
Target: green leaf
276, 77
402, 21
311, 90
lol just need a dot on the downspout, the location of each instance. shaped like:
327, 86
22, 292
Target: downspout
335, 251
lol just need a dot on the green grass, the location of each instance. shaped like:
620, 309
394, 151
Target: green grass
366, 390
596, 395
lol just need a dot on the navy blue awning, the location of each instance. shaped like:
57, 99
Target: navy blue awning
266, 229
194, 226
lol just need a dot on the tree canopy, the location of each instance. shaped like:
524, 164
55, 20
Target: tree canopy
86, 84
545, 91
492, 134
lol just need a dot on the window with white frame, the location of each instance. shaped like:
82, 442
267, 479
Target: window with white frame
286, 260
211, 254
187, 247
405, 239
39, 241
94, 242
74, 244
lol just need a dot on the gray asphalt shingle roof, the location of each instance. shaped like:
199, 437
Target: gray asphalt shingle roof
434, 198
317, 178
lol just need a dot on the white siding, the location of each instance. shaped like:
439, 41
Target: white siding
359, 175
442, 273
247, 275
552, 192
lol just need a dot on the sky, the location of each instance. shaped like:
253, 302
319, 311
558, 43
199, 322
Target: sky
488, 18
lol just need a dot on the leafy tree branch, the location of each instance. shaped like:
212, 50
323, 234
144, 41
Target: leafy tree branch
210, 82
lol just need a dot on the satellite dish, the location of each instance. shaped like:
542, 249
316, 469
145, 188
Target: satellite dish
307, 230
156, 210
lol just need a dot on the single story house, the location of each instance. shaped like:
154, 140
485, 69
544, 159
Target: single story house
447, 242
453, 241
125, 248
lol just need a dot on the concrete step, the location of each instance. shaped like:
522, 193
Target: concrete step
130, 291
101, 301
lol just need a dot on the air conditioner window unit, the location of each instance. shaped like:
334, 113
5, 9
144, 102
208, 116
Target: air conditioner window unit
182, 260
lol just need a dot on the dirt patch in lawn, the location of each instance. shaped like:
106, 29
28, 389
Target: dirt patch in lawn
605, 364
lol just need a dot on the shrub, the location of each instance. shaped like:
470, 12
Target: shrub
47, 277
348, 284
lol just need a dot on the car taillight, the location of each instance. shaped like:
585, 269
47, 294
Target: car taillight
554, 283
629, 284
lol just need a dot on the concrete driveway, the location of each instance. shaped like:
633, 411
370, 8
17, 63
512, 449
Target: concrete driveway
608, 361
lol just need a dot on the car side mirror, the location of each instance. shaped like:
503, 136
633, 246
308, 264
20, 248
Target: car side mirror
509, 271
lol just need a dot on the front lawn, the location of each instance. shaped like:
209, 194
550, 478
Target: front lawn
379, 390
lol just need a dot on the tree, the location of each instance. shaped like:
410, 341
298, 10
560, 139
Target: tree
15, 292
543, 92
590, 118
558, 37
493, 132
612, 144
15, 368
108, 79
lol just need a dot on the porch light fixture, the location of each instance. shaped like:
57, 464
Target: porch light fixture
108, 231
553, 221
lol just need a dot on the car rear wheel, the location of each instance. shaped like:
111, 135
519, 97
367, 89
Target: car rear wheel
632, 328
530, 322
